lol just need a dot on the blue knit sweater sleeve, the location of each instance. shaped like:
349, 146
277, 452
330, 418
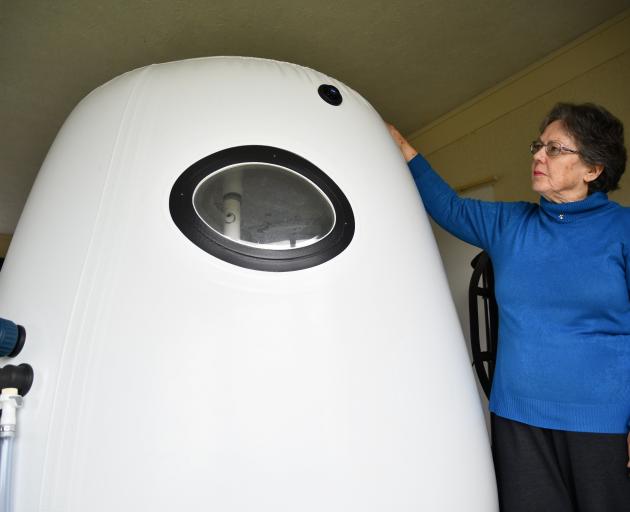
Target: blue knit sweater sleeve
477, 222
626, 247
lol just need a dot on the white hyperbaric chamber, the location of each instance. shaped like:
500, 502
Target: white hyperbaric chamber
235, 302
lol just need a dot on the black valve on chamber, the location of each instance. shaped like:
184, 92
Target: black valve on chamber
330, 94
19, 377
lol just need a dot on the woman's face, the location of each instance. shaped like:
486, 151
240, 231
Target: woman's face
563, 178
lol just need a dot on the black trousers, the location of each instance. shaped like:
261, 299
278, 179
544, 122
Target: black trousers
543, 470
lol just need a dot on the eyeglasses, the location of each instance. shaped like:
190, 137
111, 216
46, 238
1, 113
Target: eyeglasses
552, 148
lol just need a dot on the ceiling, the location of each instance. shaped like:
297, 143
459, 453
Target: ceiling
414, 60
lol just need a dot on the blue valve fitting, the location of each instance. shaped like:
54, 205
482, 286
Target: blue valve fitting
12, 338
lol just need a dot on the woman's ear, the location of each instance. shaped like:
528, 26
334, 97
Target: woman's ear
593, 173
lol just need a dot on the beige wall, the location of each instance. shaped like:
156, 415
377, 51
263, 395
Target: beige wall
490, 135
4, 244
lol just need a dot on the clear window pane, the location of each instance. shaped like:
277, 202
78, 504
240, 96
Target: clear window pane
265, 206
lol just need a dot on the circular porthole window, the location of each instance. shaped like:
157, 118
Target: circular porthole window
263, 208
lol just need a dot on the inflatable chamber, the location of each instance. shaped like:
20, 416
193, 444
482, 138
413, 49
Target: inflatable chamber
234, 302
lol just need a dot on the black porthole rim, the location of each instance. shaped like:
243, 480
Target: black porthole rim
197, 231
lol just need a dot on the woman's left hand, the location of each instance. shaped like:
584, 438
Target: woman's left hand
406, 149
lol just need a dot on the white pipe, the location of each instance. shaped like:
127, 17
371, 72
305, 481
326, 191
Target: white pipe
9, 402
6, 472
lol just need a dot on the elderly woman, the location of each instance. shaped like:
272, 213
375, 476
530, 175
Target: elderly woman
560, 399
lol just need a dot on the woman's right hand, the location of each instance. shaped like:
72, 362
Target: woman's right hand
406, 149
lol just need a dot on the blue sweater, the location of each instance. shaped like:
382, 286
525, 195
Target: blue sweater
564, 303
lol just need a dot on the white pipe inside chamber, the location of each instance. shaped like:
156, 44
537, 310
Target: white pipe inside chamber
232, 193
